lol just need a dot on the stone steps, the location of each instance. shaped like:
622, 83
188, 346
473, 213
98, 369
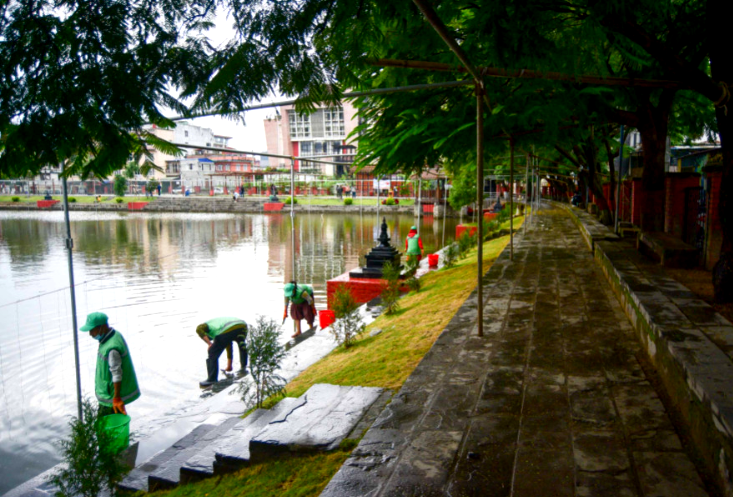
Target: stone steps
318, 420
231, 452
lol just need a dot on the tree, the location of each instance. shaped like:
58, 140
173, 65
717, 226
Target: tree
120, 185
265, 357
349, 323
91, 465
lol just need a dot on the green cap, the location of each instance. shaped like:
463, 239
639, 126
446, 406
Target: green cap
413, 228
93, 320
289, 289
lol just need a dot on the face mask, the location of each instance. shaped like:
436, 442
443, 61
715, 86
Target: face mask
98, 337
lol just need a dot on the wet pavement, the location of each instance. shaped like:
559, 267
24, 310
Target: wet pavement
552, 401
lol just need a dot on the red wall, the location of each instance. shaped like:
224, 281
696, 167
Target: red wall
714, 229
636, 202
674, 208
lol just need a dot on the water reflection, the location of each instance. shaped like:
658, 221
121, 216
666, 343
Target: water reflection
157, 277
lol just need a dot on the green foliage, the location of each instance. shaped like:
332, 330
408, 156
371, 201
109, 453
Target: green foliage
465, 243
391, 291
450, 255
413, 284
265, 357
119, 200
15, 199
152, 185
349, 323
120, 185
91, 466
411, 265
390, 201
72, 200
290, 200
348, 201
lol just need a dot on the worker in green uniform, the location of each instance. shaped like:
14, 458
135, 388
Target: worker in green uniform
303, 306
115, 383
413, 245
220, 334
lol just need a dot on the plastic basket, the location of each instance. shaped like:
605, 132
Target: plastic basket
118, 427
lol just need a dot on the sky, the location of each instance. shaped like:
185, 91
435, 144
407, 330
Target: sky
249, 138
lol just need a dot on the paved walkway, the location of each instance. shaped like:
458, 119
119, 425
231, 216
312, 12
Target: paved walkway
551, 402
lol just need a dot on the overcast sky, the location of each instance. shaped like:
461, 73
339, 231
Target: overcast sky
249, 138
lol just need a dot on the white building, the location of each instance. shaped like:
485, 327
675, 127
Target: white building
185, 134
321, 134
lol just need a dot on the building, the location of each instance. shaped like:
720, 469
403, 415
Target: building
206, 171
321, 134
185, 134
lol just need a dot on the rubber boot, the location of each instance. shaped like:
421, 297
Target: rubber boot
213, 373
243, 359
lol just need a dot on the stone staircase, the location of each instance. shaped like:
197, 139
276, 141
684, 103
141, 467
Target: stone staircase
318, 420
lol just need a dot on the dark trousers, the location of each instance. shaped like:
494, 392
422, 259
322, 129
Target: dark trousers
219, 345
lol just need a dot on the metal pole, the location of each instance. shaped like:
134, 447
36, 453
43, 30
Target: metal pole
445, 208
69, 246
292, 223
480, 200
618, 183
419, 202
511, 201
527, 206
379, 189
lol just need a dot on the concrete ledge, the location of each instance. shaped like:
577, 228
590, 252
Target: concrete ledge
668, 250
590, 228
689, 344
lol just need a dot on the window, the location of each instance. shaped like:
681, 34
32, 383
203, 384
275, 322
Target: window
185, 133
306, 149
334, 122
300, 125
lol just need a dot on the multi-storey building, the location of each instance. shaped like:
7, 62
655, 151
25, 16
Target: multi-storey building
185, 134
321, 134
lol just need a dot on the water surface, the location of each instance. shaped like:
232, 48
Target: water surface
157, 276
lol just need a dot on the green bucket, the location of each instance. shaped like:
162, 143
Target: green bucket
118, 427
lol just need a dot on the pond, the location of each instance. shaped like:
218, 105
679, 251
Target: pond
157, 276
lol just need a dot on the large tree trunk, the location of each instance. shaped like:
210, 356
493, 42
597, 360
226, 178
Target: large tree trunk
722, 70
653, 126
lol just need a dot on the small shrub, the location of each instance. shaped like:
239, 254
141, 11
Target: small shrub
464, 245
391, 292
413, 284
265, 357
349, 323
72, 200
411, 265
450, 254
503, 215
119, 200
389, 201
290, 200
15, 199
348, 201
91, 465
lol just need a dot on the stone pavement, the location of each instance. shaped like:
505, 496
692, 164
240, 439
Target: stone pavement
551, 402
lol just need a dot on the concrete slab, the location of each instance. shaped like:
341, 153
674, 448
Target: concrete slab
321, 422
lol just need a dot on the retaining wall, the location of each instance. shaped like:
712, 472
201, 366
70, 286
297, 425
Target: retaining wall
689, 344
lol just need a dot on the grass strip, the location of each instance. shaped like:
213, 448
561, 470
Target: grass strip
385, 360
80, 199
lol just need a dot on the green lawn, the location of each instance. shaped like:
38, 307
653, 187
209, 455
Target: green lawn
385, 360
80, 199
335, 201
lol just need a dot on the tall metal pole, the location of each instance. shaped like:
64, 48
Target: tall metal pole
379, 189
527, 205
69, 246
511, 201
480, 201
419, 202
292, 221
618, 183
445, 208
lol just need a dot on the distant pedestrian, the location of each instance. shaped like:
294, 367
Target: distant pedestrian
159, 188
115, 382
236, 194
